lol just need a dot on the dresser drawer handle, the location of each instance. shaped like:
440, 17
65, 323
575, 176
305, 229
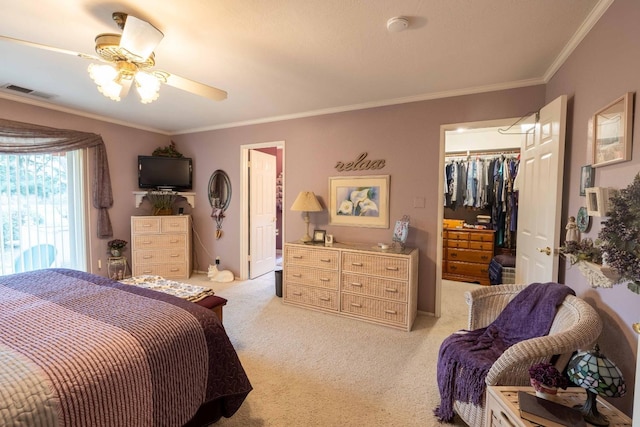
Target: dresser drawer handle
392, 290
173, 270
298, 294
353, 304
297, 275
392, 268
325, 279
356, 264
324, 299
484, 271
391, 312
325, 259
146, 271
453, 255
146, 242
147, 257
146, 225
356, 284
174, 241
174, 255
296, 256
453, 267
484, 257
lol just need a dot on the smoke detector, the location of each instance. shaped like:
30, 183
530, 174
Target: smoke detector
397, 24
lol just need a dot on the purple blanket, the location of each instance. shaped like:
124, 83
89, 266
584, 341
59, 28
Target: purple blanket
465, 358
80, 349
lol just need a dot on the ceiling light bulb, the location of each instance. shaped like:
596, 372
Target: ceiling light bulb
102, 74
148, 87
111, 90
397, 24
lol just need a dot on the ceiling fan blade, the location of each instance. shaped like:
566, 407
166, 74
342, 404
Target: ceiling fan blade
50, 48
139, 37
193, 87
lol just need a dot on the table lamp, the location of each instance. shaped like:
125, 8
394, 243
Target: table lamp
592, 371
306, 202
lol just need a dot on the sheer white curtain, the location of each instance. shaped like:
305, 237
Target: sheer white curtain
41, 183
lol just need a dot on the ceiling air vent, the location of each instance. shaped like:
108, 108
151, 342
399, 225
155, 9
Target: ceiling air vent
25, 91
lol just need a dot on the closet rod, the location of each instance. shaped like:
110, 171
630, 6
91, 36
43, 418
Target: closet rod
480, 152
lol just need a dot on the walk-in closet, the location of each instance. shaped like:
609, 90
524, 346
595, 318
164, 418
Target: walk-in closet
480, 205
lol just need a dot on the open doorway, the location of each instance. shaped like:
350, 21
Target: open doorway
267, 240
463, 142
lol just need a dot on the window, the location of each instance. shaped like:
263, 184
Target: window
42, 211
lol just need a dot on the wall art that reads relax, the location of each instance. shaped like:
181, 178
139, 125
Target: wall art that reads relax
360, 164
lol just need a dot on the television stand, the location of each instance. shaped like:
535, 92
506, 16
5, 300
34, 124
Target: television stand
191, 197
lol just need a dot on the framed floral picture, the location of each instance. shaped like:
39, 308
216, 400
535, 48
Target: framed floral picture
359, 201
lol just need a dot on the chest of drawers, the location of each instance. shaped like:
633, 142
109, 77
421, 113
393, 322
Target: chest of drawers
358, 281
467, 254
161, 245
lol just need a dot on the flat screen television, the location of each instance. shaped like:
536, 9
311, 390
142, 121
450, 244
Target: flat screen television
174, 173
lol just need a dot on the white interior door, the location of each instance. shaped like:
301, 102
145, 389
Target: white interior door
262, 213
540, 195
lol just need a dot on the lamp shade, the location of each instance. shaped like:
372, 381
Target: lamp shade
593, 371
306, 202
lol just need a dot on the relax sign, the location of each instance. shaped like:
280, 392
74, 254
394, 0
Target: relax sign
360, 164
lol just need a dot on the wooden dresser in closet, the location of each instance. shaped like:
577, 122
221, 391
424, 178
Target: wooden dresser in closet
467, 254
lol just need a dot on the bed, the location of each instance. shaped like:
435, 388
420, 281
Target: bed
80, 349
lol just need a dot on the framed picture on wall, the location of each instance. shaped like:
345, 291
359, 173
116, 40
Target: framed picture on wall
587, 178
612, 132
359, 201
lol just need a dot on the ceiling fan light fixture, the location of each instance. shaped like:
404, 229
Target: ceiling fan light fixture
148, 87
107, 79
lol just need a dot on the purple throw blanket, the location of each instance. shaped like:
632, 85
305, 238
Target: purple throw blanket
465, 358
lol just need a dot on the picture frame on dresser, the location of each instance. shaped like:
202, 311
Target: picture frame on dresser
319, 236
359, 201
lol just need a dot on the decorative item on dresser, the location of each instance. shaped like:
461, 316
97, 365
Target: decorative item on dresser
467, 254
161, 246
306, 202
354, 280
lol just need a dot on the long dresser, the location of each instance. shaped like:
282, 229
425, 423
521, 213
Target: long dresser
467, 254
161, 246
360, 281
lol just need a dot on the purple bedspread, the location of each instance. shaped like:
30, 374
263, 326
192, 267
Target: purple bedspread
78, 349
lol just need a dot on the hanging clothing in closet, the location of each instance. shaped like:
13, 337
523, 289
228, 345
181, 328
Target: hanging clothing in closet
485, 182
504, 211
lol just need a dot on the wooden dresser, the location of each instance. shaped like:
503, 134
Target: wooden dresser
161, 246
353, 280
467, 254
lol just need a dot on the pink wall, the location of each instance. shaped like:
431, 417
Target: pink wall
406, 136
603, 67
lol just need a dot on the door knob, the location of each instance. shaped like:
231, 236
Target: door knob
546, 250
636, 327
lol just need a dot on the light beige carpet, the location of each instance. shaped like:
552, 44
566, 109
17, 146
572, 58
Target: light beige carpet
315, 369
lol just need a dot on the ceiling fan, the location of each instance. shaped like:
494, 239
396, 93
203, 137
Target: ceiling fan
127, 59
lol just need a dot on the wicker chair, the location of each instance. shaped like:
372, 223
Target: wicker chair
576, 325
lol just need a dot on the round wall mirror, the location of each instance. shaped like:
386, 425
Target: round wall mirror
219, 190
